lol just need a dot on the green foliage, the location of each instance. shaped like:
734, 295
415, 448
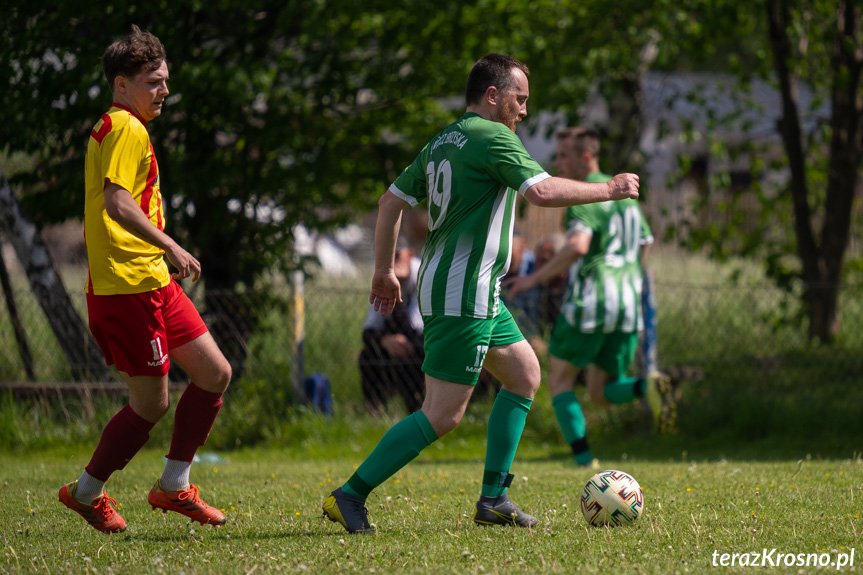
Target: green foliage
290, 113
303, 112
796, 227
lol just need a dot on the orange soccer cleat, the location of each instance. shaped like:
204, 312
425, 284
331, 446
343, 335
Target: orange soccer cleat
187, 503
102, 514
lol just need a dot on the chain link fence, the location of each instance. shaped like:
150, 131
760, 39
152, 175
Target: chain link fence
740, 334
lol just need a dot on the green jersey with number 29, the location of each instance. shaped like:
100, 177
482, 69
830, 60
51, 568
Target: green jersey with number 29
605, 285
469, 173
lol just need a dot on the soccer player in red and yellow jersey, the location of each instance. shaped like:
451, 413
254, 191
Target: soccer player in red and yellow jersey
138, 313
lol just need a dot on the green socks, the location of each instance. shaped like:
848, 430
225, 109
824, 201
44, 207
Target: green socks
571, 418
572, 424
505, 425
624, 390
407, 438
398, 447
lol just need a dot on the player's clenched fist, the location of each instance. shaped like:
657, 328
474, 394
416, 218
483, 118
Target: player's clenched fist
624, 186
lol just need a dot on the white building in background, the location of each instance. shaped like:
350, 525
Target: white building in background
332, 251
683, 114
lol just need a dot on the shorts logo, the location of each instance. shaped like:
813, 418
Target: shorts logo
158, 357
481, 350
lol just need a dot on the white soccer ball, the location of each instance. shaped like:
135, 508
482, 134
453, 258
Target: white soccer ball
611, 498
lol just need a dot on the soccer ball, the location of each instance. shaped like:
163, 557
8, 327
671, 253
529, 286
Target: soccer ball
611, 498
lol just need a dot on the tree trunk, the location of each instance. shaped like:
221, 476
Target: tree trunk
846, 144
822, 265
625, 116
82, 353
20, 334
625, 124
823, 311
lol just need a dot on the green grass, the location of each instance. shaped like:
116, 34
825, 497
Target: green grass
273, 498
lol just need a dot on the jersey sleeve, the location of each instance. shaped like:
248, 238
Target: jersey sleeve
412, 184
509, 163
580, 219
122, 151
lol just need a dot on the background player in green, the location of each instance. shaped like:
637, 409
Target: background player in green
601, 314
470, 174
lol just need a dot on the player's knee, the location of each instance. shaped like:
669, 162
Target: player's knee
528, 384
153, 410
223, 380
444, 423
219, 380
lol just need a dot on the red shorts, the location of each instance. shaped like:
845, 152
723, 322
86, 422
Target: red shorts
136, 331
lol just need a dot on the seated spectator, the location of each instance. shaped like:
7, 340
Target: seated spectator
392, 356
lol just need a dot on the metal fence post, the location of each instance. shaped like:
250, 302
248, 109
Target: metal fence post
298, 333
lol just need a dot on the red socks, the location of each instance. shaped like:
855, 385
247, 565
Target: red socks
127, 432
123, 437
193, 420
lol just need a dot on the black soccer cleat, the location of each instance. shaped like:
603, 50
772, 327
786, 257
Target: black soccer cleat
501, 511
349, 511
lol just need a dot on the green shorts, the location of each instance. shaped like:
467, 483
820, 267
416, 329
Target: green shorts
455, 347
611, 352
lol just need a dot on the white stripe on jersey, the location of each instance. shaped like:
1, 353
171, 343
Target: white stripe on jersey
531, 181
629, 305
403, 196
456, 277
588, 310
428, 273
612, 305
496, 309
489, 254
573, 278
639, 289
579, 226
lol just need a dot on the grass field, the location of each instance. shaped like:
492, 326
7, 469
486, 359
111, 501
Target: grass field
693, 509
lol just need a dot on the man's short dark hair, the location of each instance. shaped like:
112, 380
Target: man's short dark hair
492, 70
129, 56
583, 139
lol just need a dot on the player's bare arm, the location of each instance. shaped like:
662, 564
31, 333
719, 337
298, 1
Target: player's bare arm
645, 249
557, 192
386, 289
122, 209
576, 246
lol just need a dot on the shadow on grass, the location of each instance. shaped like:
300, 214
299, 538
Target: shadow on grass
246, 535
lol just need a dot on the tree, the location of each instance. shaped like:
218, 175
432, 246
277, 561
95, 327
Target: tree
839, 27
286, 113
802, 229
15, 318
81, 351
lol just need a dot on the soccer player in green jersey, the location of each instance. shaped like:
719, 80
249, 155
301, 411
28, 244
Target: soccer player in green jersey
469, 174
601, 315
